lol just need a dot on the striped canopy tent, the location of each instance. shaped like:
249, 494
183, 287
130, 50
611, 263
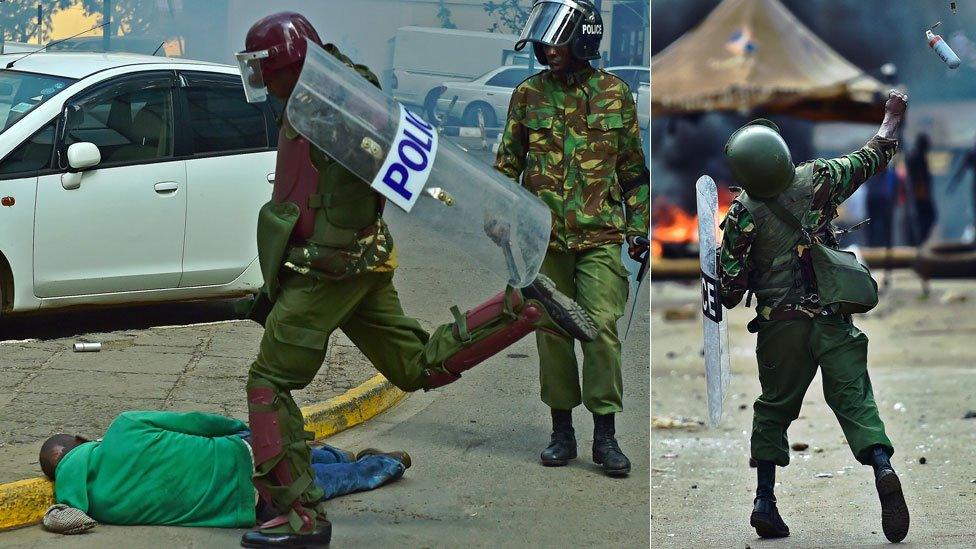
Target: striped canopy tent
755, 55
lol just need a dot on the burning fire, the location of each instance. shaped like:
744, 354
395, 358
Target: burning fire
675, 231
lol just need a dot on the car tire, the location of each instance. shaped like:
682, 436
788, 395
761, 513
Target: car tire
947, 260
470, 118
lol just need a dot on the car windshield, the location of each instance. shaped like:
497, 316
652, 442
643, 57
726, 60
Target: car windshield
22, 92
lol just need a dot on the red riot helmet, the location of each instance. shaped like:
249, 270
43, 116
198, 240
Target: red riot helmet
273, 43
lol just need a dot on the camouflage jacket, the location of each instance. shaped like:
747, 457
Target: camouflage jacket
373, 251
834, 182
576, 144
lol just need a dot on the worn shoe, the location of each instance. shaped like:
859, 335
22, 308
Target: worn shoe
766, 520
606, 451
319, 537
562, 444
399, 455
894, 511
566, 313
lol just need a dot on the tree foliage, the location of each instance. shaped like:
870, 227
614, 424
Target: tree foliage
444, 14
509, 15
18, 18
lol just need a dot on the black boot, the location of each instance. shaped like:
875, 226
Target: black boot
606, 451
765, 517
562, 445
566, 313
276, 533
894, 510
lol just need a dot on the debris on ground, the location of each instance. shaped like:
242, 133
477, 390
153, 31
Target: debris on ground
694, 486
671, 355
824, 475
800, 446
86, 347
669, 456
949, 298
970, 414
684, 312
743, 406
922, 460
676, 422
900, 407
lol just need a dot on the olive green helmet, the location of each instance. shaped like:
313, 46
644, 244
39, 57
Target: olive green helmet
759, 159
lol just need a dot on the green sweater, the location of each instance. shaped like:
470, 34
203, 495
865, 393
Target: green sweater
162, 468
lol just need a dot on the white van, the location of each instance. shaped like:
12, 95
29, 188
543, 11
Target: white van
128, 178
424, 58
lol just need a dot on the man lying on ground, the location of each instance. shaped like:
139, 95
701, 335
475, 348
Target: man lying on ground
188, 469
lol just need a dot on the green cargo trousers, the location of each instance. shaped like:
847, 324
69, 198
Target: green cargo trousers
788, 353
306, 312
597, 280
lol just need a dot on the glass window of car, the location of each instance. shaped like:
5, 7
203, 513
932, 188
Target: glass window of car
32, 155
21, 92
222, 120
129, 122
509, 78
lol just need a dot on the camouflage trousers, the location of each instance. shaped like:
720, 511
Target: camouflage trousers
306, 312
597, 280
788, 353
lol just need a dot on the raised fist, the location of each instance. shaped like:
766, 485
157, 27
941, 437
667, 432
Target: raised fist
897, 103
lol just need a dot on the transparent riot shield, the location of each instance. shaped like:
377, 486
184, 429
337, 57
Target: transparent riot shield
460, 199
715, 329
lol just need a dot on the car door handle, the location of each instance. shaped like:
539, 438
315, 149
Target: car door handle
271, 177
166, 187
489, 93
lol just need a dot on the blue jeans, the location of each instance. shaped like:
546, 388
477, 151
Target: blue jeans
338, 476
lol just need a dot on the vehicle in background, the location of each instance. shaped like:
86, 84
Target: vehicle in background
424, 58
490, 94
644, 105
487, 95
17, 47
119, 44
633, 75
128, 179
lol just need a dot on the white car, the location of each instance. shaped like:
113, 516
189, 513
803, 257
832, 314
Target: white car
488, 94
491, 93
128, 178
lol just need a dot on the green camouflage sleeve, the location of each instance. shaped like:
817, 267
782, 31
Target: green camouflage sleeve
632, 172
510, 159
733, 271
847, 173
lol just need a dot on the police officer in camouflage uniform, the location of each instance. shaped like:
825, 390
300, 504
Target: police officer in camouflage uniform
328, 260
764, 255
572, 137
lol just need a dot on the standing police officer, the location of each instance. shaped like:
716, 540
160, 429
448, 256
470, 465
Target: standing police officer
327, 257
572, 137
763, 254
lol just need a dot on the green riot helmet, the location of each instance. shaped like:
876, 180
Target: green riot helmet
759, 159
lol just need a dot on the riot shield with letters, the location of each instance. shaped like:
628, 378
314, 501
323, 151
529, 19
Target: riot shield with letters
500, 225
715, 327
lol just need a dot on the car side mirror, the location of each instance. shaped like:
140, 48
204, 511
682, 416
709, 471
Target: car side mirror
81, 156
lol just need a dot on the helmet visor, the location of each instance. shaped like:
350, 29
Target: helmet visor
250, 63
551, 23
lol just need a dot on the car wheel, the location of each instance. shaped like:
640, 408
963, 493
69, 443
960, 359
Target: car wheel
470, 118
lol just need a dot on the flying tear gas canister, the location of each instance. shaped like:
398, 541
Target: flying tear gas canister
454, 196
945, 52
87, 347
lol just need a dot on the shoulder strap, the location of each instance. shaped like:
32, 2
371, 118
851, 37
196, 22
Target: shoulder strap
783, 214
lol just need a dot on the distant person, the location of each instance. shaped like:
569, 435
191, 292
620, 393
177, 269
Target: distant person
921, 184
188, 469
881, 202
767, 251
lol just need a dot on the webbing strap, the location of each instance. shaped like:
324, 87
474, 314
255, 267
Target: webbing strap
461, 323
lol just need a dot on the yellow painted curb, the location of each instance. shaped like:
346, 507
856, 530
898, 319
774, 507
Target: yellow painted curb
23, 503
